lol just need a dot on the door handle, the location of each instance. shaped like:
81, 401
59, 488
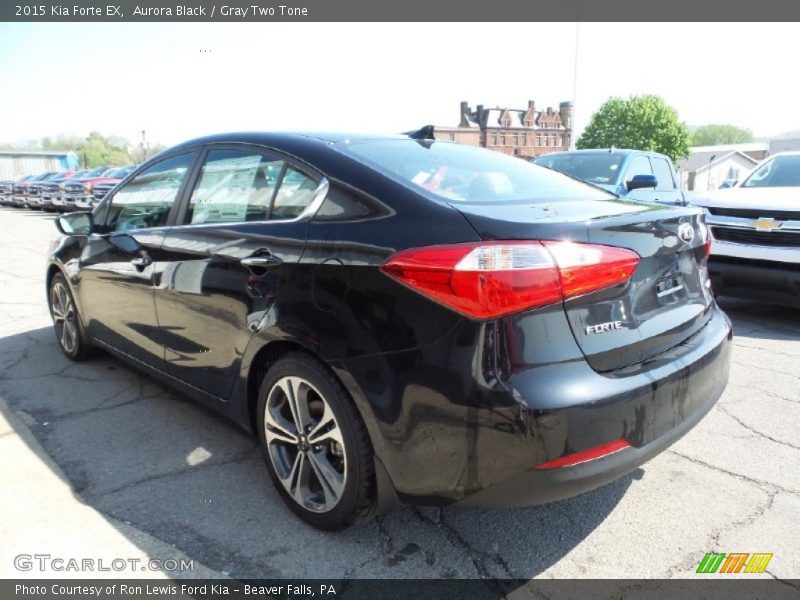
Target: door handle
261, 261
141, 262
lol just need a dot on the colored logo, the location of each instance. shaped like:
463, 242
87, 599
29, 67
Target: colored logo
734, 562
766, 224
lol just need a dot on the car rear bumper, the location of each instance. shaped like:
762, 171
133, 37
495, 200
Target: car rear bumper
762, 280
652, 409
467, 419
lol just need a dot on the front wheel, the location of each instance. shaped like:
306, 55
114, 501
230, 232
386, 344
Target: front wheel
66, 321
315, 444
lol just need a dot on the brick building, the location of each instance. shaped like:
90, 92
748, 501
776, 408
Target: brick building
520, 132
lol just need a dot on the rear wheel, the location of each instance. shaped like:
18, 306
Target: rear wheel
66, 321
315, 444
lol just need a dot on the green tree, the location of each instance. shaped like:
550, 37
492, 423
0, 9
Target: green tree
94, 150
710, 135
639, 123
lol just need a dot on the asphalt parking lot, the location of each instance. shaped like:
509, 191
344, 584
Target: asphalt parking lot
100, 461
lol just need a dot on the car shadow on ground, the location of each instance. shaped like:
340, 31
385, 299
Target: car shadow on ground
759, 320
142, 454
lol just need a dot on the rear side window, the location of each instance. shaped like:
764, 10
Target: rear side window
145, 201
243, 185
294, 195
663, 173
461, 173
234, 186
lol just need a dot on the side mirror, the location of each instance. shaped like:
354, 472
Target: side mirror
728, 183
77, 223
642, 181
124, 242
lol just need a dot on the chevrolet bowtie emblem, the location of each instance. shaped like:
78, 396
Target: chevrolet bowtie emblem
766, 224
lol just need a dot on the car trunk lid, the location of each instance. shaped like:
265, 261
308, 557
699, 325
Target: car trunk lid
665, 301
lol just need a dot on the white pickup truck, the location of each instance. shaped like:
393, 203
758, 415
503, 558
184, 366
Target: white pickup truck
755, 231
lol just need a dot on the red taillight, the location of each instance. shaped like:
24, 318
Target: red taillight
583, 456
486, 280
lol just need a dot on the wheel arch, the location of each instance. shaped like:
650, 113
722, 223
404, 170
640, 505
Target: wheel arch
272, 351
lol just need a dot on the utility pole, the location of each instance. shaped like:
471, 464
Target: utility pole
573, 131
144, 144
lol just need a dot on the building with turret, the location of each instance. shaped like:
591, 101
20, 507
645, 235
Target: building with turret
519, 132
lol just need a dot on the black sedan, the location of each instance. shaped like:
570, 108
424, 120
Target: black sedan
401, 319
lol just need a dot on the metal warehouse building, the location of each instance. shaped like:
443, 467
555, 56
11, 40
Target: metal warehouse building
17, 163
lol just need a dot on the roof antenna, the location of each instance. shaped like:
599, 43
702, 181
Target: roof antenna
424, 133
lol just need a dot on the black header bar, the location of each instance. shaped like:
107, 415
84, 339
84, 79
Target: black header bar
404, 10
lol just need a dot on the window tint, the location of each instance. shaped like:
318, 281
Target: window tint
145, 201
295, 194
663, 173
461, 173
234, 186
781, 171
639, 165
594, 168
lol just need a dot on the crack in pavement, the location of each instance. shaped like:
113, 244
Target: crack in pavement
757, 482
755, 431
244, 457
770, 350
767, 392
749, 366
455, 537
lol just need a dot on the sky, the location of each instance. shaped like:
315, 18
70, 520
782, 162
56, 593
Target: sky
179, 81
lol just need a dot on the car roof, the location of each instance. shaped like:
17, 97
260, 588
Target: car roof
277, 137
787, 153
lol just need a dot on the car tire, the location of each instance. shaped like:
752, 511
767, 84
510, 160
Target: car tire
326, 474
67, 323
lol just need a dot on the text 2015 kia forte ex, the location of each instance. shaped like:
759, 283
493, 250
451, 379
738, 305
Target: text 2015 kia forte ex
401, 319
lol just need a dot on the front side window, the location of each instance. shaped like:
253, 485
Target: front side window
663, 174
639, 165
145, 201
235, 186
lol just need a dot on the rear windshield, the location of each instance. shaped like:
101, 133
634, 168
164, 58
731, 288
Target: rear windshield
781, 171
594, 168
461, 173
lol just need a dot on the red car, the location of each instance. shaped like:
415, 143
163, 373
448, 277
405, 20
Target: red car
94, 188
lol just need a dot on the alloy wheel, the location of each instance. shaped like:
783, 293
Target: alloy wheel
305, 444
64, 317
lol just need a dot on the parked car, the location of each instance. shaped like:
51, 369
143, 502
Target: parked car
77, 188
95, 188
398, 318
33, 196
19, 197
633, 174
50, 189
6, 191
53, 192
756, 231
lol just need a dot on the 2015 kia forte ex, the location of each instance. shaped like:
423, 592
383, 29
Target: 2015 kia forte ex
398, 318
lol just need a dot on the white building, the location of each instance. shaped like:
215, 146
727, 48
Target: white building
708, 166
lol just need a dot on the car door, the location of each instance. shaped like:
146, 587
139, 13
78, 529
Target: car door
638, 164
228, 260
666, 191
117, 264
